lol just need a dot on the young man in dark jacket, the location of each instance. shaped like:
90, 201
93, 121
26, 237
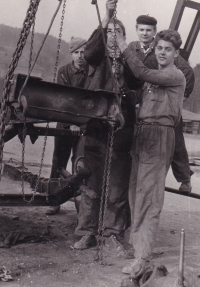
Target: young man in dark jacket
144, 49
73, 74
100, 77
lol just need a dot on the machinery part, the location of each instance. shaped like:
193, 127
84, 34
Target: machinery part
17, 129
54, 191
53, 102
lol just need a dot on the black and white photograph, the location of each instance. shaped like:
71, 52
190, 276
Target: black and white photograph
99, 143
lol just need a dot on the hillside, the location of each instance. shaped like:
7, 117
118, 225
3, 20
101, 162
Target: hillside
9, 37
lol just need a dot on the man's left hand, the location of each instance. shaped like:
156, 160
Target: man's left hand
75, 128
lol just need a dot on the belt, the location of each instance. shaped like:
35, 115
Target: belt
141, 123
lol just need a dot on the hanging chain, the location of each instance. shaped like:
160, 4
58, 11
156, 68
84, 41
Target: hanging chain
59, 42
24, 127
115, 62
107, 166
47, 126
30, 16
104, 195
31, 47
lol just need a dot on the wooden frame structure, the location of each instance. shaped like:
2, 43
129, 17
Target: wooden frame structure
176, 19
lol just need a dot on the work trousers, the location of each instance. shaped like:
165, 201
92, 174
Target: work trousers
62, 150
153, 149
180, 163
117, 205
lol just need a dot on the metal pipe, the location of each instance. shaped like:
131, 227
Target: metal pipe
181, 261
188, 194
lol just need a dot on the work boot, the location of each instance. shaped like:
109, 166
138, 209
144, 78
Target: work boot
53, 210
136, 268
114, 244
85, 242
185, 187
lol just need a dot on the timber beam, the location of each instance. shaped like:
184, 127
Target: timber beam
176, 20
176, 191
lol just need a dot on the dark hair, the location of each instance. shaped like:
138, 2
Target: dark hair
170, 36
115, 22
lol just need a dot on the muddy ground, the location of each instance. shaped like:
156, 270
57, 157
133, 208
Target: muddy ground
44, 256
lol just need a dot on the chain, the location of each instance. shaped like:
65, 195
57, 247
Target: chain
30, 16
31, 48
24, 127
107, 166
47, 126
104, 195
59, 41
115, 63
23, 157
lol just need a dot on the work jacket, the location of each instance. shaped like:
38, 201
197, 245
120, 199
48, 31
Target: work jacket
161, 96
71, 76
99, 76
149, 60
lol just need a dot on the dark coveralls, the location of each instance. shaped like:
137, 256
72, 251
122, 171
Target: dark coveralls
71, 76
180, 163
153, 149
99, 77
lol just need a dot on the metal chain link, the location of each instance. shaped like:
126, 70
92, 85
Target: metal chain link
24, 127
31, 47
115, 62
30, 16
41, 165
47, 126
107, 166
104, 195
59, 42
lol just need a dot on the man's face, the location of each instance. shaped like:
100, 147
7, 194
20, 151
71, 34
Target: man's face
111, 33
165, 53
78, 57
145, 33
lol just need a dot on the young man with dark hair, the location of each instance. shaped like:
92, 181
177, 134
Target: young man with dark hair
73, 74
144, 49
100, 77
161, 99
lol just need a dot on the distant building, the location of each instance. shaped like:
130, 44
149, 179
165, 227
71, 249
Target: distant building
6, 54
191, 122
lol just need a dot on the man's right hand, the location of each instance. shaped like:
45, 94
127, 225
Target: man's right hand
110, 7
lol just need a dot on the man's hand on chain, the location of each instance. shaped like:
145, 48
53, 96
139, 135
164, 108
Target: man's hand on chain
74, 128
110, 7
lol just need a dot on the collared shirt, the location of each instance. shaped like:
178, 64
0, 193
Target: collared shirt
162, 93
70, 75
149, 49
149, 60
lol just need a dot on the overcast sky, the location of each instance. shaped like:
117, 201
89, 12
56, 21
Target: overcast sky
81, 17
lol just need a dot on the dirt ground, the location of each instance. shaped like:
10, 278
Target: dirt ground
46, 259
